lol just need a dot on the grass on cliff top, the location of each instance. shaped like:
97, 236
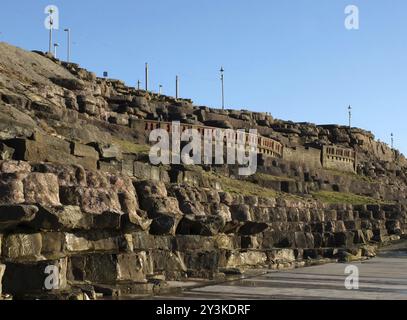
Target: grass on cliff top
245, 188
331, 197
131, 147
269, 177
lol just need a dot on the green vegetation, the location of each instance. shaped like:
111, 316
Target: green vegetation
245, 188
268, 177
345, 198
131, 147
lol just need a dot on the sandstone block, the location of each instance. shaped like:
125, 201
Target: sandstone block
13, 215
241, 213
15, 167
22, 246
146, 189
68, 175
61, 219
2, 270
42, 189
90, 200
200, 225
108, 268
11, 189
35, 277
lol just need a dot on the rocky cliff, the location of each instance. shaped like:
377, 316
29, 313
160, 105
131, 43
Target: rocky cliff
83, 214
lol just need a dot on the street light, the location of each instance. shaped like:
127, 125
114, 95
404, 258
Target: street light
56, 45
146, 70
350, 117
51, 25
160, 87
68, 31
222, 78
176, 87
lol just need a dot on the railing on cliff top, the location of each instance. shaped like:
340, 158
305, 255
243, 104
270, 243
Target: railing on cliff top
339, 154
266, 146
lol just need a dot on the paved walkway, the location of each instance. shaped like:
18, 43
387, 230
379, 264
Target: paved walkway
382, 278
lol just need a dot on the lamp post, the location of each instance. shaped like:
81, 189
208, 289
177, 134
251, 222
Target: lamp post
51, 25
160, 88
222, 78
138, 84
350, 117
68, 54
146, 71
56, 45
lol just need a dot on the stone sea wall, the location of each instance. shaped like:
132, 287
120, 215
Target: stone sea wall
105, 232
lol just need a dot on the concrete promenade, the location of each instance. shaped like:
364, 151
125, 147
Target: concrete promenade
382, 278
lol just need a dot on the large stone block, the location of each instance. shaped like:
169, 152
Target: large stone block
11, 189
147, 189
281, 255
42, 189
49, 150
108, 151
35, 277
97, 241
95, 201
146, 241
2, 270
68, 175
200, 225
193, 242
164, 260
13, 215
241, 213
110, 268
248, 258
15, 167
63, 218
81, 150
22, 246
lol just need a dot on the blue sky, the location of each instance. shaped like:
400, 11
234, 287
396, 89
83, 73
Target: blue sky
292, 58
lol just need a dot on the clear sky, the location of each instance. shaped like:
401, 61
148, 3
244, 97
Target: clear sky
292, 58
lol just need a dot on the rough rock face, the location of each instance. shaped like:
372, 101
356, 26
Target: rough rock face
82, 212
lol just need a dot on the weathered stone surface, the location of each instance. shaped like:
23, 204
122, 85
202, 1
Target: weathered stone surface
11, 189
68, 175
108, 151
2, 270
241, 213
129, 206
95, 201
108, 268
201, 225
13, 215
42, 189
252, 228
146, 189
62, 218
15, 167
22, 246
30, 277
82, 150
